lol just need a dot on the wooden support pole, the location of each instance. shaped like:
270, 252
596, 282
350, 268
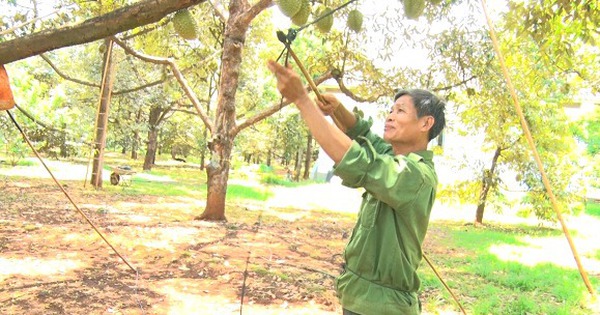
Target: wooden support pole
536, 156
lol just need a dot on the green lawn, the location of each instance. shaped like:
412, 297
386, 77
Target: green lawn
486, 281
490, 284
593, 209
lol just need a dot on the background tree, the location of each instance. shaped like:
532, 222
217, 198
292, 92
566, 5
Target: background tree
238, 93
490, 112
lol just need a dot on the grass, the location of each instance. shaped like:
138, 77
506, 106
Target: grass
489, 284
187, 182
26, 163
593, 209
191, 189
485, 281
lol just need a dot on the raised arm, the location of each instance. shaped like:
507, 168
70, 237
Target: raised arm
342, 117
333, 140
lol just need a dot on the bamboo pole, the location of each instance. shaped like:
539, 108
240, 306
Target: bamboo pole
536, 156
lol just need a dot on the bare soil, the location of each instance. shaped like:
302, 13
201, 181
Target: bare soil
53, 262
278, 257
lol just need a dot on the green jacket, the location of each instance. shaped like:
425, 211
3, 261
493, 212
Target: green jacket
384, 251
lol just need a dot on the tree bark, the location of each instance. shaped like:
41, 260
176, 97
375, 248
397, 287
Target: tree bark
135, 142
152, 147
308, 157
486, 185
298, 164
221, 143
121, 20
102, 115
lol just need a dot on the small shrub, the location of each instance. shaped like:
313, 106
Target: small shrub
265, 169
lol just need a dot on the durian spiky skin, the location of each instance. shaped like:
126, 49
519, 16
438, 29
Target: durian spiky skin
302, 15
289, 8
413, 8
355, 20
324, 25
185, 25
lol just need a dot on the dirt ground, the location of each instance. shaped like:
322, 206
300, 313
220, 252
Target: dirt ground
53, 262
276, 258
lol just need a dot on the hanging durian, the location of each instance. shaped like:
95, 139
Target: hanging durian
414, 8
289, 8
185, 24
355, 20
302, 15
324, 25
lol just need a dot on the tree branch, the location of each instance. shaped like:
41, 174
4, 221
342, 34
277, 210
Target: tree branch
146, 30
121, 20
353, 96
449, 87
219, 11
273, 109
141, 87
44, 125
16, 27
66, 77
255, 10
178, 75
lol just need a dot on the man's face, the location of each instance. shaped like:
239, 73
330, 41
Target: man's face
402, 126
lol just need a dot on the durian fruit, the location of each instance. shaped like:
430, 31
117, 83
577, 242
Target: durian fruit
185, 24
413, 8
302, 15
355, 20
289, 8
324, 25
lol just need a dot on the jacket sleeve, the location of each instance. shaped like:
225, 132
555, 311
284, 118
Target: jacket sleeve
362, 128
395, 180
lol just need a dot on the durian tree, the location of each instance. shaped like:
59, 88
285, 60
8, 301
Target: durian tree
337, 60
240, 17
241, 28
485, 108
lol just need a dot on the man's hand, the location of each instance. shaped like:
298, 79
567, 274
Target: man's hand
288, 82
330, 104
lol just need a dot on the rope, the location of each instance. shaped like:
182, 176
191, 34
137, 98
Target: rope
67, 194
325, 15
257, 227
445, 285
536, 156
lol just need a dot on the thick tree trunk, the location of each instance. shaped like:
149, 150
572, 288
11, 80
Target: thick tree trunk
218, 175
121, 20
150, 157
102, 115
486, 184
153, 121
222, 140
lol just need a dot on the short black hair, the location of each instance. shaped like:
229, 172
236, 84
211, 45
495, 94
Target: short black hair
427, 104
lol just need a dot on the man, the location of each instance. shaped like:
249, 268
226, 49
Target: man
397, 173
